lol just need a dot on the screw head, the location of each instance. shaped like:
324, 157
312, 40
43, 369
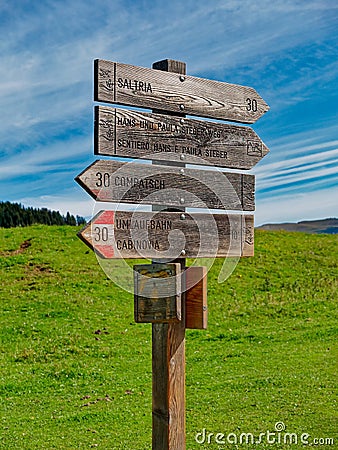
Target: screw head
181, 107
181, 121
182, 200
183, 253
182, 171
182, 156
182, 216
182, 78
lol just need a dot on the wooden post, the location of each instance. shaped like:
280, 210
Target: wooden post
168, 358
174, 94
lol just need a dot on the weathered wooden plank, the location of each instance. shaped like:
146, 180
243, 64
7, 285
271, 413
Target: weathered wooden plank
125, 84
135, 134
168, 235
114, 181
196, 312
157, 293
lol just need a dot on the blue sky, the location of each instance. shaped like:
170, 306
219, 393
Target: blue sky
287, 50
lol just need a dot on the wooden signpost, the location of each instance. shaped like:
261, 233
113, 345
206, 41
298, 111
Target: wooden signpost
136, 134
114, 181
130, 234
124, 84
166, 293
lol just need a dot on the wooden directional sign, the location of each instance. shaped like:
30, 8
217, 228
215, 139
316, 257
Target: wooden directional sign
126, 234
134, 134
149, 88
114, 181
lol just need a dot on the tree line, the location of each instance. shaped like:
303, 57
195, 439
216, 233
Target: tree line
17, 215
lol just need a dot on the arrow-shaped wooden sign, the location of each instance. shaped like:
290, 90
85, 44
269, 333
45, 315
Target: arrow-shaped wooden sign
169, 235
114, 181
124, 84
134, 134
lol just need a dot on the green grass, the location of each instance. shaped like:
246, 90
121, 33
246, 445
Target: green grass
76, 369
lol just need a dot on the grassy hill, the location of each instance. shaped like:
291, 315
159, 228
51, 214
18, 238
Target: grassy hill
76, 369
327, 226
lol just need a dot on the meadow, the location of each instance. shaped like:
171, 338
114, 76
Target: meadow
76, 370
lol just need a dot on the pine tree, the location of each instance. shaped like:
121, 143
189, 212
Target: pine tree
80, 220
17, 215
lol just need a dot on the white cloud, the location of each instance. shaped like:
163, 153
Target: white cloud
75, 203
287, 47
297, 207
298, 169
43, 159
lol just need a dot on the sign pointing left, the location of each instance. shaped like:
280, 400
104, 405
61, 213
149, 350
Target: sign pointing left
115, 181
169, 235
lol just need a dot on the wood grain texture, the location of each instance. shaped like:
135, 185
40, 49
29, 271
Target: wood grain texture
169, 403
164, 235
168, 387
171, 65
125, 84
157, 293
196, 305
137, 134
114, 181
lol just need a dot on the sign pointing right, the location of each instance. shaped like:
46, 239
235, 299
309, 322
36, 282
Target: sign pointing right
124, 84
136, 134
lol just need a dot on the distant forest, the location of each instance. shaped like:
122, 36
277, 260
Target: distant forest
17, 215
